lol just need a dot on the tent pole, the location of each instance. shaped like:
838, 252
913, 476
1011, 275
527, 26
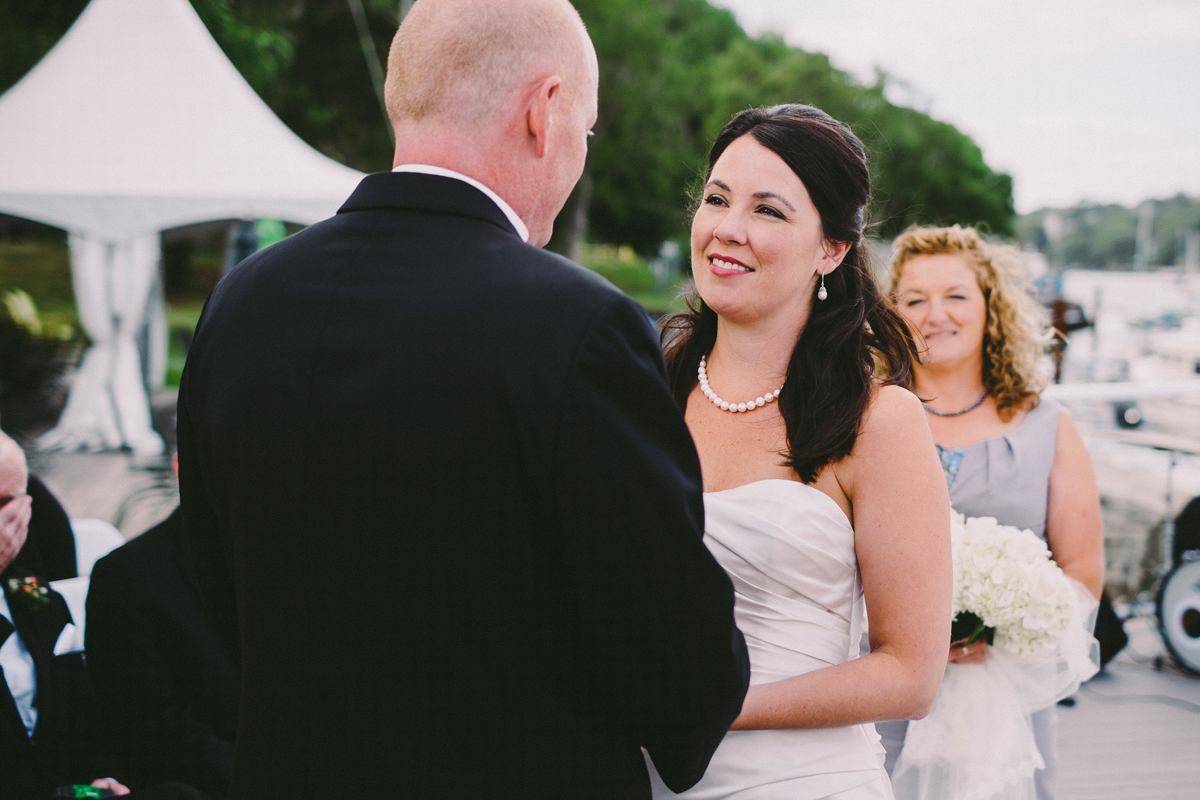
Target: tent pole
372, 57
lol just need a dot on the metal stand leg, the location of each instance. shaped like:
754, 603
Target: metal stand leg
1169, 519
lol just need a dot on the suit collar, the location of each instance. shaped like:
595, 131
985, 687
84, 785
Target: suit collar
421, 192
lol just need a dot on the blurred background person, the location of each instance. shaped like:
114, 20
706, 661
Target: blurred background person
49, 736
1006, 451
45, 545
167, 684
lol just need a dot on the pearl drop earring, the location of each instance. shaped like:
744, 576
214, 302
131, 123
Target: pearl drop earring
821, 292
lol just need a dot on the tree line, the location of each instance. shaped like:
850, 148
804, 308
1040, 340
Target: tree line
672, 73
1105, 236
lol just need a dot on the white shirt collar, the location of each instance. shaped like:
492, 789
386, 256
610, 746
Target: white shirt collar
425, 169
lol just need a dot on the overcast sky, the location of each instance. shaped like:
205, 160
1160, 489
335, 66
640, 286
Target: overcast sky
1076, 99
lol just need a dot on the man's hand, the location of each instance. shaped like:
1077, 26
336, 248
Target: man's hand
14, 527
112, 785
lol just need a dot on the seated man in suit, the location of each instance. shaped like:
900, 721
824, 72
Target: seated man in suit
48, 725
166, 682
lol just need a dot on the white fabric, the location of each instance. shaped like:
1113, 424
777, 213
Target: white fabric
70, 640
978, 743
19, 672
74, 593
425, 169
157, 333
136, 122
108, 407
94, 539
789, 551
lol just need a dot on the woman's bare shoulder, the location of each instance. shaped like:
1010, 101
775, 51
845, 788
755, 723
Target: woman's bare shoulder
889, 407
893, 431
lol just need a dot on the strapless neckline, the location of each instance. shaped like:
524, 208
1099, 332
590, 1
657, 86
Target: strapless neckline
798, 601
804, 486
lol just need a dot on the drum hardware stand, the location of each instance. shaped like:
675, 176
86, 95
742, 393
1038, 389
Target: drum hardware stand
1178, 590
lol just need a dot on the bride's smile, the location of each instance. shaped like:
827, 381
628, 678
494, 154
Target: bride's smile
757, 245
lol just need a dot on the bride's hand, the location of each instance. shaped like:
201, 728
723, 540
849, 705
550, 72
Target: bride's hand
961, 653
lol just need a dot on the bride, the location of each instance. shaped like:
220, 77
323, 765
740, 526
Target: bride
822, 489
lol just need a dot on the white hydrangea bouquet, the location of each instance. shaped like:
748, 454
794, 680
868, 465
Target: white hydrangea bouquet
977, 743
1007, 588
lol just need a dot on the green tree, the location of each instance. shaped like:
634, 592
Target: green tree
27, 32
923, 171
672, 72
305, 61
655, 60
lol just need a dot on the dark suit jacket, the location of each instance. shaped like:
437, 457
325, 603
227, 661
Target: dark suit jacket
167, 684
66, 746
435, 482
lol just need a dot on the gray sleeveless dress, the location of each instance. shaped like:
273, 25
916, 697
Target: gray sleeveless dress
1006, 477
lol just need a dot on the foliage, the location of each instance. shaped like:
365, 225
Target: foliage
43, 270
304, 59
923, 171
655, 61
672, 72
31, 369
1104, 236
636, 277
28, 30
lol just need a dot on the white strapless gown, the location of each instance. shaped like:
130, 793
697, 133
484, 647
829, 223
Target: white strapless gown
789, 550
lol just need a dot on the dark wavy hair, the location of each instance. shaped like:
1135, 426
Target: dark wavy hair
854, 337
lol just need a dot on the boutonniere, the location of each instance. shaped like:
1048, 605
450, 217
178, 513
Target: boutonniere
29, 593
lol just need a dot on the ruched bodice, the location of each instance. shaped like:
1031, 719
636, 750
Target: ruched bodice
789, 550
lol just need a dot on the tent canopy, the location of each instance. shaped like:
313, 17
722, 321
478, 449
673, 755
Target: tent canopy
135, 121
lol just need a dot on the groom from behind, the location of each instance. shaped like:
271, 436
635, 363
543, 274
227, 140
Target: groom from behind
436, 489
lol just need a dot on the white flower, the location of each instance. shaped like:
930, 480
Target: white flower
1006, 577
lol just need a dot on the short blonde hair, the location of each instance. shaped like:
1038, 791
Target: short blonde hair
465, 58
1017, 328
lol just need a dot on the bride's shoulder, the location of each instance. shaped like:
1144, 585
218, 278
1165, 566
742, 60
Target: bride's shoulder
892, 404
893, 440
893, 419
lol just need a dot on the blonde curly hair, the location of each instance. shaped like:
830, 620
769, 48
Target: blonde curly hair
1017, 328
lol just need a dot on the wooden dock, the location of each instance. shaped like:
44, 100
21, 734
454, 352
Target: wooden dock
1134, 732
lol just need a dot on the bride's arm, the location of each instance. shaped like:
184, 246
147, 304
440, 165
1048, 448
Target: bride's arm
902, 537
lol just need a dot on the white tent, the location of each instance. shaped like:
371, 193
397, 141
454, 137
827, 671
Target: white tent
133, 123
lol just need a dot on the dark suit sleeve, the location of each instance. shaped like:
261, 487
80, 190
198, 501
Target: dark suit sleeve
155, 733
656, 609
208, 546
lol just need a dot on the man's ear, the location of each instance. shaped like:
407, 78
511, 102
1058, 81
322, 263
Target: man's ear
544, 96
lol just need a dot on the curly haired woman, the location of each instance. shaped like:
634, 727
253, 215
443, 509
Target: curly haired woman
1006, 451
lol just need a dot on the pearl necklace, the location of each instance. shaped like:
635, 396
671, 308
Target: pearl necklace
725, 405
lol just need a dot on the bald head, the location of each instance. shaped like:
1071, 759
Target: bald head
463, 62
13, 472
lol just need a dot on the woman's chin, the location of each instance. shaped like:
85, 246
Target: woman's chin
729, 307
948, 358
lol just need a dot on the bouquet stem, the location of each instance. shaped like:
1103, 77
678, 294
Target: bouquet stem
968, 628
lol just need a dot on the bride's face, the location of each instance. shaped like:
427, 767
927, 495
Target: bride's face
757, 245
